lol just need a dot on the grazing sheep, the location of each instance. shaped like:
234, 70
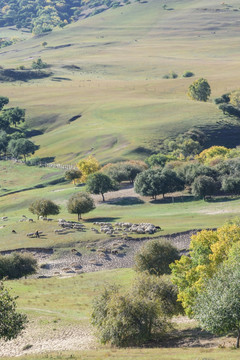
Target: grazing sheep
58, 231
114, 252
30, 220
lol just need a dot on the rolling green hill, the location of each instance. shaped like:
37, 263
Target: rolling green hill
108, 73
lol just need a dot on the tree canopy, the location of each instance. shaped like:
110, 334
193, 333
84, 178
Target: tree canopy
80, 203
218, 308
88, 166
200, 90
99, 183
208, 250
11, 322
44, 208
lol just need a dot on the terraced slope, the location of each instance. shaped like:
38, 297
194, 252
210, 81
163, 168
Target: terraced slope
108, 73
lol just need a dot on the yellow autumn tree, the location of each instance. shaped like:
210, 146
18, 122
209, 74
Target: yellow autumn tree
208, 250
88, 166
208, 155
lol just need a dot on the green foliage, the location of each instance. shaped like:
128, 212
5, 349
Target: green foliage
136, 317
99, 183
231, 184
124, 171
3, 101
3, 142
42, 16
14, 116
155, 257
39, 64
16, 265
200, 90
189, 171
21, 146
44, 208
154, 182
73, 175
187, 74
159, 159
218, 308
11, 322
80, 203
204, 186
170, 75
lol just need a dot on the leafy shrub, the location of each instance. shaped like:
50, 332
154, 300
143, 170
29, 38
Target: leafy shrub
33, 161
16, 265
155, 257
138, 316
187, 74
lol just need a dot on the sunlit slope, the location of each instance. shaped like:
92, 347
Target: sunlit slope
125, 105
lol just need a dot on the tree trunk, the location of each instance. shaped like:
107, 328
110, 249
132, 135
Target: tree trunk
79, 217
238, 339
163, 195
103, 199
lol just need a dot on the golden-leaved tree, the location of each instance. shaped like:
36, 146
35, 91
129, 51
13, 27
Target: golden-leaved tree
208, 250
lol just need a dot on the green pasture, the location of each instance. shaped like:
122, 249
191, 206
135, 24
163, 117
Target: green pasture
139, 354
16, 176
69, 300
176, 213
126, 106
63, 302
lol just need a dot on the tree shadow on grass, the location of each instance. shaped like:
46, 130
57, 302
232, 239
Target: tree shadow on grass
219, 199
126, 201
174, 199
101, 219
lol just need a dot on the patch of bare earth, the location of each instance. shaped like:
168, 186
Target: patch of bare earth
35, 339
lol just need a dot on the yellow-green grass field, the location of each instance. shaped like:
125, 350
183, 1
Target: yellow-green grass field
123, 53
139, 354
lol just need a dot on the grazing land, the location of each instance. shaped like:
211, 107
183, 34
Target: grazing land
111, 76
108, 95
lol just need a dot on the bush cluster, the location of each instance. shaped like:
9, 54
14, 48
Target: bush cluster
16, 265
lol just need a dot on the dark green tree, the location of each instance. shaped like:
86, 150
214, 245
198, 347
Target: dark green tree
11, 322
73, 175
99, 183
149, 183
44, 208
14, 116
204, 186
155, 257
80, 203
3, 101
200, 90
3, 142
217, 308
20, 147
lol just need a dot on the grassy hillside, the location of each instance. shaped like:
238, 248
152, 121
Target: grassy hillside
126, 107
